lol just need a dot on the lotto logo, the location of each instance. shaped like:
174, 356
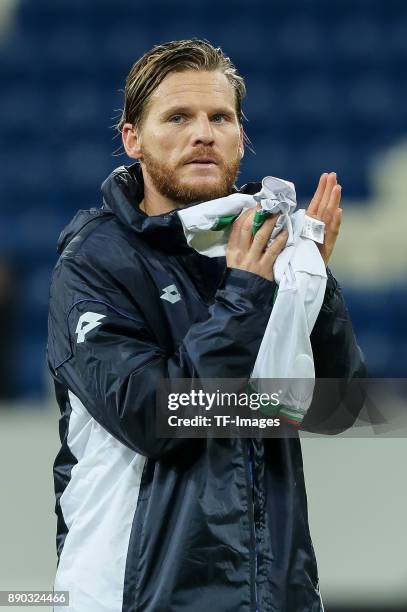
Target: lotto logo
86, 322
171, 294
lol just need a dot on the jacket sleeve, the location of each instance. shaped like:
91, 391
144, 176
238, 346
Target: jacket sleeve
337, 357
113, 363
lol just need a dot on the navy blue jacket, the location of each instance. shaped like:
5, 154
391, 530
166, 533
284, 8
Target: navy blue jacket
172, 524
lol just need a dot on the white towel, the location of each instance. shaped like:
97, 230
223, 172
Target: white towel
285, 352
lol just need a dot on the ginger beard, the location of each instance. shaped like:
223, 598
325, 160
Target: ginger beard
169, 184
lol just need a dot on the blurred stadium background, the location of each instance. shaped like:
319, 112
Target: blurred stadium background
326, 91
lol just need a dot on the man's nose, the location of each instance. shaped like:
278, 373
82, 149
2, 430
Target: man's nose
203, 132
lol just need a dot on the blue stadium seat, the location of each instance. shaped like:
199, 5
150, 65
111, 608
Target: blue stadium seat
79, 112
359, 41
85, 165
23, 111
299, 43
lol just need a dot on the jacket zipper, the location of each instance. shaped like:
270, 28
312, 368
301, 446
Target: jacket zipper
251, 518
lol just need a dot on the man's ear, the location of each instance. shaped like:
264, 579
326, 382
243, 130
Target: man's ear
131, 141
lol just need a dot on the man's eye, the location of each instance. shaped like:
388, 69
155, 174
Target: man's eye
219, 118
176, 118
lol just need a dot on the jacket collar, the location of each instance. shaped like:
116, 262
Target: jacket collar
122, 193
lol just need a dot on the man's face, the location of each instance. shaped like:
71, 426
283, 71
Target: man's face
191, 142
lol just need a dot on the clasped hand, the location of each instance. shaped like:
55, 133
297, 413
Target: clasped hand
247, 252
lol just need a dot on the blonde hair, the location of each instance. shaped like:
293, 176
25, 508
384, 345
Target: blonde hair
175, 56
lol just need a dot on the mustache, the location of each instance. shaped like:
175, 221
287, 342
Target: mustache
203, 153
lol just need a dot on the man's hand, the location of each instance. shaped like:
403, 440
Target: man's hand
325, 207
247, 252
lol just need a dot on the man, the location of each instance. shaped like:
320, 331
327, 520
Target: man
151, 524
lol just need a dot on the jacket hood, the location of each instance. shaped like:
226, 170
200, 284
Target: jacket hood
82, 218
122, 191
